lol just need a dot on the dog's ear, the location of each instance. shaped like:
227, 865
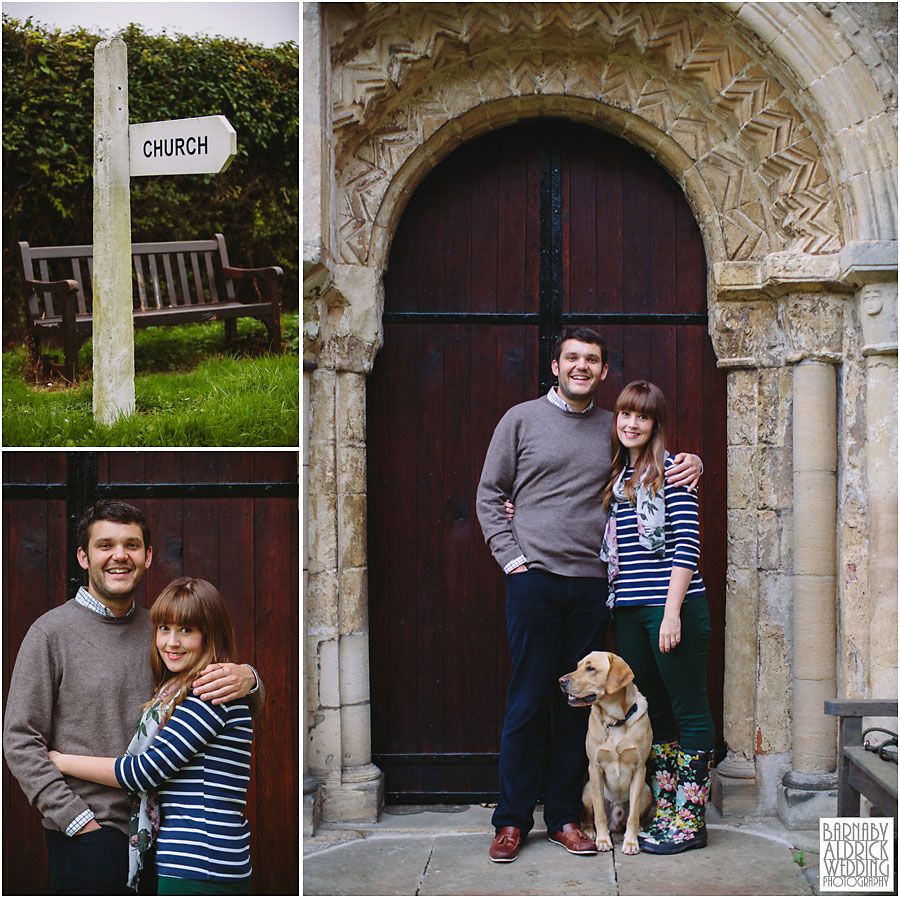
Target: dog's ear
619, 676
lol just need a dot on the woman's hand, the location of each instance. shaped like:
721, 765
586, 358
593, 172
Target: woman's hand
86, 767
226, 682
510, 509
669, 632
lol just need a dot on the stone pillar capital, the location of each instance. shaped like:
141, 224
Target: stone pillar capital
342, 317
813, 326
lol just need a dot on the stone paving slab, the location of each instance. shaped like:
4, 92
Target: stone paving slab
378, 865
460, 866
733, 863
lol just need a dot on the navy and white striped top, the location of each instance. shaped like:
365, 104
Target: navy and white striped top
643, 577
200, 763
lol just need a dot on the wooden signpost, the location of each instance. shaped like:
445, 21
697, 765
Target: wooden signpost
204, 145
182, 146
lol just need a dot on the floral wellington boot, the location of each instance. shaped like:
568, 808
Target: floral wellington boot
662, 767
688, 829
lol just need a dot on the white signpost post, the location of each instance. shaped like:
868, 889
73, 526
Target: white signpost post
204, 145
113, 330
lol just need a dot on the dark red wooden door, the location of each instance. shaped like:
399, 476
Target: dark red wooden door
513, 236
228, 517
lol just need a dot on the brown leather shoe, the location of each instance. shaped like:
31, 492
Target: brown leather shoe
574, 840
505, 847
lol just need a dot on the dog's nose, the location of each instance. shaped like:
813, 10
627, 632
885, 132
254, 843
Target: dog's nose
563, 681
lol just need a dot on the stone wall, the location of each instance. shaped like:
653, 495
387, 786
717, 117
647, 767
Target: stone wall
778, 120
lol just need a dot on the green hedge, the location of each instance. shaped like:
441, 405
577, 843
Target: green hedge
48, 146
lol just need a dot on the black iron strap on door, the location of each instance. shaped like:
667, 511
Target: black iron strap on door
82, 488
550, 271
550, 317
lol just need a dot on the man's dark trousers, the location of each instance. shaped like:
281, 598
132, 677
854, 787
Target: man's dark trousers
553, 622
94, 863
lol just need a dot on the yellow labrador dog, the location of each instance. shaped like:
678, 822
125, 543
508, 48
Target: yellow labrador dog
618, 745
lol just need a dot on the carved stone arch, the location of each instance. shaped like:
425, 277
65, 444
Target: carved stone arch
499, 113
695, 75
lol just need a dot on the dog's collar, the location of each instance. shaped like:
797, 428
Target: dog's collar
631, 711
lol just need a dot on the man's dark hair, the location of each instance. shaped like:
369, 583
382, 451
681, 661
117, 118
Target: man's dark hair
111, 510
584, 335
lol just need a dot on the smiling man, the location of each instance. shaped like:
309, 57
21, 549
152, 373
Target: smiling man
81, 675
551, 457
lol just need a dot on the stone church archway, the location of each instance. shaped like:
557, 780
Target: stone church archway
774, 122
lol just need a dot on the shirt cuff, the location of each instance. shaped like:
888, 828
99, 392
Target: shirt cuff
80, 821
512, 565
255, 674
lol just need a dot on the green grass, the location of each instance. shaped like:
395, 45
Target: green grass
188, 392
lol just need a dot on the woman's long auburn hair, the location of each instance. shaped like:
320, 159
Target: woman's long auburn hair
645, 398
190, 602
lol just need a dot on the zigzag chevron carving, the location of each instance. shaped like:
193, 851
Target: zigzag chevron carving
406, 69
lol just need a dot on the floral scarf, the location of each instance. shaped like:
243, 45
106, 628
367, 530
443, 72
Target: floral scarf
144, 826
651, 524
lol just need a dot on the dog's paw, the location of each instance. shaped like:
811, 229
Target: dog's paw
604, 842
630, 846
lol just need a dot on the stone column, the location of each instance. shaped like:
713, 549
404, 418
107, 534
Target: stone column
361, 794
312, 798
344, 335
734, 786
877, 303
807, 789
337, 644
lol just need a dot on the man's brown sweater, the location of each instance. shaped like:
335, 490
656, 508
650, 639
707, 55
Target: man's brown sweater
553, 464
77, 687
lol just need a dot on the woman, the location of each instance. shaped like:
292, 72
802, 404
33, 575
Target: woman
188, 757
661, 620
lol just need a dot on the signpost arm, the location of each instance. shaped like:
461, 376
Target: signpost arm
113, 330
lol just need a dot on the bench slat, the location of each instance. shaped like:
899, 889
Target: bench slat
861, 707
198, 283
48, 297
154, 281
185, 290
76, 276
139, 279
874, 768
154, 317
86, 249
211, 277
170, 283
871, 776
61, 252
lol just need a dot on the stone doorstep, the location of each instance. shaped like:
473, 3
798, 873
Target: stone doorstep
433, 820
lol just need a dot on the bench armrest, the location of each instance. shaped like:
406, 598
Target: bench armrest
67, 286
862, 707
271, 276
253, 272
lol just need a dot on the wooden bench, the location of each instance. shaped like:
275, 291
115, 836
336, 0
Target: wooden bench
862, 772
173, 283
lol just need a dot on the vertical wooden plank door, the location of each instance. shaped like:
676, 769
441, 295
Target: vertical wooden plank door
230, 518
513, 236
